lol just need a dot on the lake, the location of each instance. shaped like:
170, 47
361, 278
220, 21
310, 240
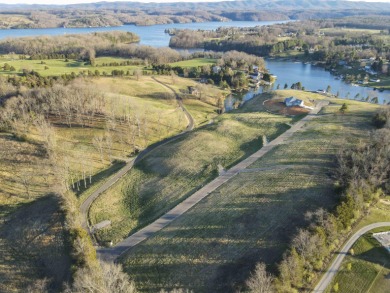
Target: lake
312, 77
153, 35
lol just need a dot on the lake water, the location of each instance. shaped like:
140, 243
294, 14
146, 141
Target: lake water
150, 35
312, 77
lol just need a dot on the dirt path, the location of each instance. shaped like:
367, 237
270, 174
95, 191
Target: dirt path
190, 119
110, 254
333, 269
84, 208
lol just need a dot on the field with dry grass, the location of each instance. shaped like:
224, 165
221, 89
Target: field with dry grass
32, 237
214, 246
32, 240
175, 170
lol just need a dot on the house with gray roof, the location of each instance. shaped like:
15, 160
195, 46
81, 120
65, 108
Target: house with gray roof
295, 102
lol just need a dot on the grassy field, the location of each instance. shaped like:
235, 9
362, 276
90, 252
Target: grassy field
31, 226
54, 67
195, 62
383, 84
337, 30
370, 267
175, 170
252, 218
160, 118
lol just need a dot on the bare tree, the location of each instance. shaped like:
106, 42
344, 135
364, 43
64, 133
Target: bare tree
137, 74
39, 286
24, 176
108, 278
173, 77
47, 134
98, 142
260, 281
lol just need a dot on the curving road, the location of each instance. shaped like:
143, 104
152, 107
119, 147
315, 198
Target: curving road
110, 254
333, 269
84, 208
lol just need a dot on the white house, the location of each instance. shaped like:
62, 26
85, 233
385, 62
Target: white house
293, 101
217, 69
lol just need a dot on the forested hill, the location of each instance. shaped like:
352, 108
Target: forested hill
221, 6
119, 13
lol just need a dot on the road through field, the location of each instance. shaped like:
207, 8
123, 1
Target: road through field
333, 269
110, 254
84, 208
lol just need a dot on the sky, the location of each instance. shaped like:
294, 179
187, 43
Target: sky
91, 1
51, 2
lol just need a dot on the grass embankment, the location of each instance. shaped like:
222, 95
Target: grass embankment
214, 246
56, 67
367, 270
175, 170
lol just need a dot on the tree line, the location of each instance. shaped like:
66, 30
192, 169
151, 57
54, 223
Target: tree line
328, 46
67, 44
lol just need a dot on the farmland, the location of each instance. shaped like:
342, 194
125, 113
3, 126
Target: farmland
171, 173
214, 246
56, 67
369, 267
195, 62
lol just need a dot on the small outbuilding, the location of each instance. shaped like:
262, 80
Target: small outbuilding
193, 91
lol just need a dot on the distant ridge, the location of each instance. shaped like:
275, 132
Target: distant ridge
224, 5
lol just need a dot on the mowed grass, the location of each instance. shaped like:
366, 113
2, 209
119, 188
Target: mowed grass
55, 67
201, 112
195, 62
370, 267
380, 212
251, 218
383, 84
175, 170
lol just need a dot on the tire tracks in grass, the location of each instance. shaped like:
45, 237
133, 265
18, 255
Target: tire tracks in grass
85, 206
